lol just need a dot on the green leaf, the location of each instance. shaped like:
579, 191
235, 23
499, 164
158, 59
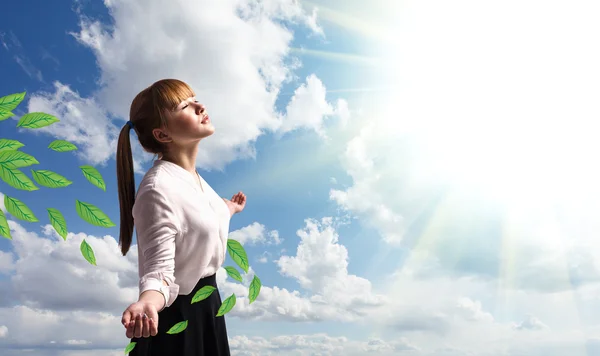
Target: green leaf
36, 120
238, 254
16, 179
93, 176
87, 252
10, 145
4, 229
92, 214
50, 179
10, 102
227, 305
18, 209
179, 327
233, 273
130, 347
16, 159
254, 289
58, 222
62, 146
203, 293
5, 114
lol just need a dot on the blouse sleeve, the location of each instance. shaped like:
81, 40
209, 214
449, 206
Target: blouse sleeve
157, 226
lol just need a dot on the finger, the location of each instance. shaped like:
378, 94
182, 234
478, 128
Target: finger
126, 318
153, 315
130, 329
146, 326
153, 327
138, 326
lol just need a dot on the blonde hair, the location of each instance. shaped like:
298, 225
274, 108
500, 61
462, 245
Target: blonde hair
148, 111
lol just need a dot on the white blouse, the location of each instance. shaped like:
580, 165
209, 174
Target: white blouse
181, 228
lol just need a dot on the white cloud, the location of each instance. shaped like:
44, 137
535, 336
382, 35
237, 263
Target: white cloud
321, 266
422, 314
3, 331
531, 323
280, 304
371, 181
316, 344
97, 295
236, 64
255, 233
472, 310
82, 122
309, 107
2, 207
6, 262
44, 330
109, 287
311, 22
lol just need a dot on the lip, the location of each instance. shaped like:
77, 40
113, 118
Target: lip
205, 120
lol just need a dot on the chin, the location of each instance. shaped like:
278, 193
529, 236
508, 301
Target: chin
208, 131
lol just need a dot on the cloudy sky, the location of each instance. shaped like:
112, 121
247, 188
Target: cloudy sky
422, 176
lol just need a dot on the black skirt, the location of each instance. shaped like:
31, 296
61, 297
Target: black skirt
205, 335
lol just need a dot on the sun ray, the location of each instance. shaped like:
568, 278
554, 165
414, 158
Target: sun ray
353, 23
339, 56
364, 90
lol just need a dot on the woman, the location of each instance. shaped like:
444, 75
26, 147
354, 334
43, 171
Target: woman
181, 224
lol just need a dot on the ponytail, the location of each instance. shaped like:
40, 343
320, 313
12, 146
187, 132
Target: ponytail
126, 185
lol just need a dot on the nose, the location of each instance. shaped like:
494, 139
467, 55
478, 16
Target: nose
200, 107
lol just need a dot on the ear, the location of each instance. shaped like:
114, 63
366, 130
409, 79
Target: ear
161, 136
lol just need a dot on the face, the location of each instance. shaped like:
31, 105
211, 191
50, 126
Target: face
188, 123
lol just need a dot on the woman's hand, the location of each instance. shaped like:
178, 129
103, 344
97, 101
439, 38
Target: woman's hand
140, 319
237, 203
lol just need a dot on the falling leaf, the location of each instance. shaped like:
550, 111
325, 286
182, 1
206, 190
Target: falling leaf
227, 305
4, 229
233, 273
203, 293
92, 214
130, 347
62, 146
238, 254
9, 103
58, 222
16, 159
93, 176
179, 327
10, 145
5, 114
87, 252
254, 289
36, 120
50, 179
16, 179
18, 209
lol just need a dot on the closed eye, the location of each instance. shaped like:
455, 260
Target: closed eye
185, 106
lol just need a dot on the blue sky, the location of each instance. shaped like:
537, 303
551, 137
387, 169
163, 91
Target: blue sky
419, 174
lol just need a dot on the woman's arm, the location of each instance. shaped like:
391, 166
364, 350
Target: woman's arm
157, 226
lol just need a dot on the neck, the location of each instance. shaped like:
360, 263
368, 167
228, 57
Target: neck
184, 157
